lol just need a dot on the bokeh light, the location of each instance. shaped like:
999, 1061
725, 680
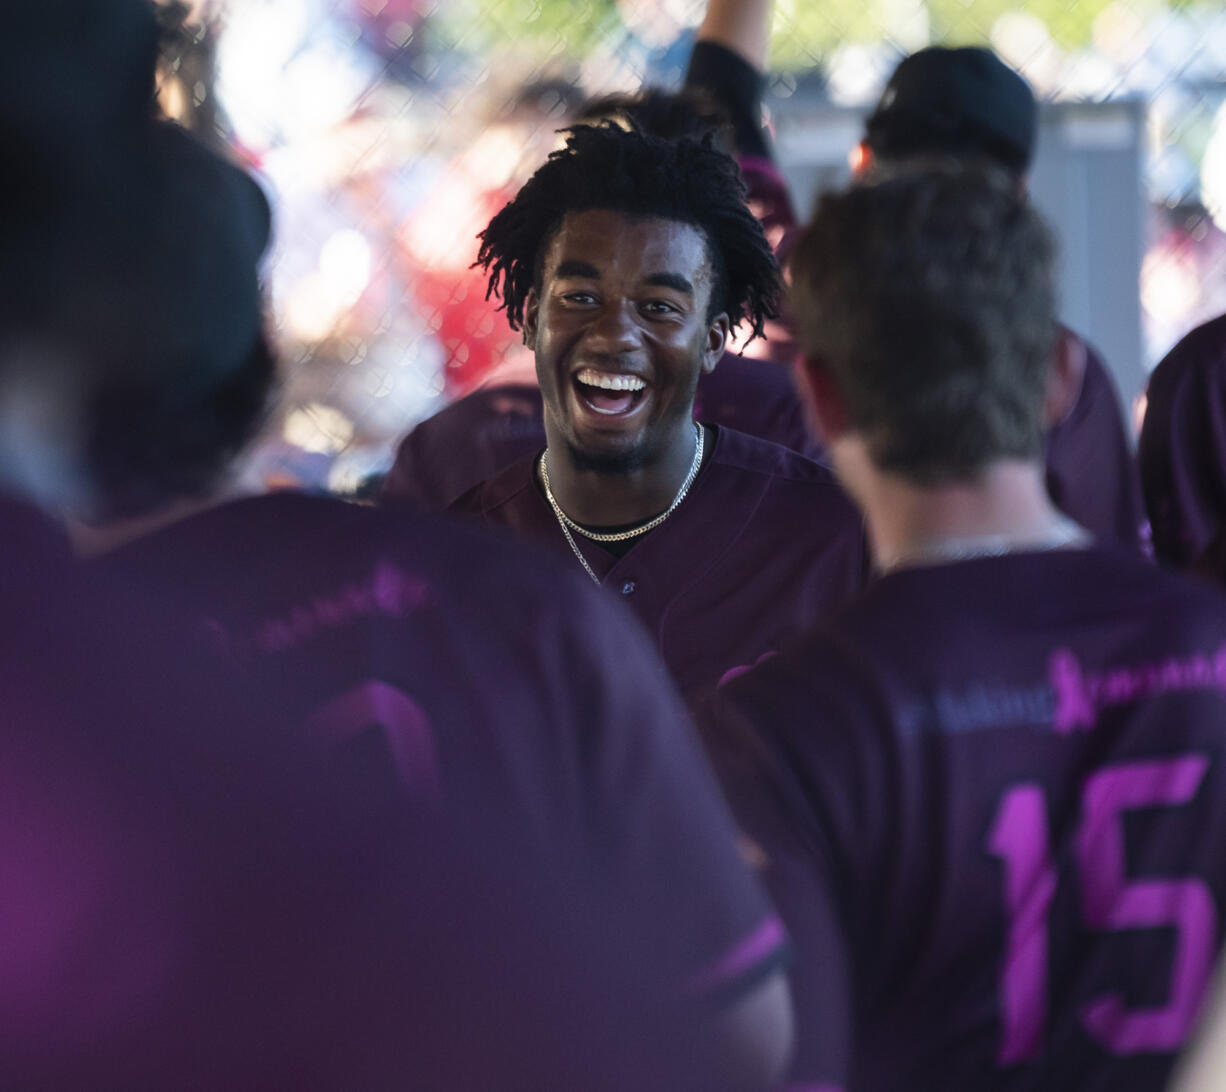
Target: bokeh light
389, 131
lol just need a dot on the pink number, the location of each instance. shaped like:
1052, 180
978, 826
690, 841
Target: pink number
377, 705
1109, 902
1019, 837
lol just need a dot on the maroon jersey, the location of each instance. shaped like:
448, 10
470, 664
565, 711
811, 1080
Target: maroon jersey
146, 804
463, 444
485, 431
489, 429
1183, 448
991, 804
1091, 472
764, 545
476, 681
193, 901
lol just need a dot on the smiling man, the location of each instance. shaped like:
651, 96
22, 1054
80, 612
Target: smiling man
627, 261
619, 380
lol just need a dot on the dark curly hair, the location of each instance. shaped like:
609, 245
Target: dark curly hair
632, 172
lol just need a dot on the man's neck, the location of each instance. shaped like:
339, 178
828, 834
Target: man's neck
1007, 506
601, 499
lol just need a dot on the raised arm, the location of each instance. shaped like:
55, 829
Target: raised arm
742, 26
728, 64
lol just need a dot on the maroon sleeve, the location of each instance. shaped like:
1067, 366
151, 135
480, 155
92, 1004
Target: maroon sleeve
770, 200
768, 196
797, 824
1182, 449
464, 444
659, 824
787, 839
1091, 472
407, 484
736, 85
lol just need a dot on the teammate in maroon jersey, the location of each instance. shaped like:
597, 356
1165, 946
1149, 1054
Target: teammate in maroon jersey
1182, 453
967, 103
989, 798
628, 260
192, 902
112, 757
493, 426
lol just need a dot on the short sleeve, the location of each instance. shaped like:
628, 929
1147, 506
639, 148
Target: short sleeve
790, 845
737, 86
658, 822
1091, 472
405, 485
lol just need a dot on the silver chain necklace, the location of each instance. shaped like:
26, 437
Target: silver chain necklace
567, 524
1062, 533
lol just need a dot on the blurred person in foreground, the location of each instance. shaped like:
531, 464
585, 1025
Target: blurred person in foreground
185, 905
1182, 453
500, 422
140, 918
628, 261
571, 839
989, 798
966, 103
193, 901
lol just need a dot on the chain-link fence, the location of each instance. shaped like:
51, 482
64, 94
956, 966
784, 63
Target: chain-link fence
389, 131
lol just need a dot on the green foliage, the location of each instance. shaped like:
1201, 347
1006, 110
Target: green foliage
805, 32
570, 27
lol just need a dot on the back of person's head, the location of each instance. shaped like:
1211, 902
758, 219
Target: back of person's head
960, 102
188, 370
132, 361
673, 115
141, 326
928, 298
76, 92
640, 175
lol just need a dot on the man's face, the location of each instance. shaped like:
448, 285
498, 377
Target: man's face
621, 335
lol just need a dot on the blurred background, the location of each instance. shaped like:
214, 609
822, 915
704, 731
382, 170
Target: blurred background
387, 132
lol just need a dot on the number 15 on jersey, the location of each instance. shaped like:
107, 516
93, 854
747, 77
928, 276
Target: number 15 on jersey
1109, 902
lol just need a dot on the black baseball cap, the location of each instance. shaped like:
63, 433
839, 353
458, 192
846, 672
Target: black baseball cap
160, 272
964, 102
200, 230
76, 65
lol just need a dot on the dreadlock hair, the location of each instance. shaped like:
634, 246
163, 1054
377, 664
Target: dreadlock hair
690, 112
632, 172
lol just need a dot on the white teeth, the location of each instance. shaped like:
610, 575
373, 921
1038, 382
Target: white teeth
607, 381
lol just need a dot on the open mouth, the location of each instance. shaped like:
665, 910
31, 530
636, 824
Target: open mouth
609, 393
